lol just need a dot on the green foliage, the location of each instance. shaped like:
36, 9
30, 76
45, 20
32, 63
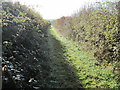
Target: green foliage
27, 55
23, 45
95, 29
22, 14
91, 73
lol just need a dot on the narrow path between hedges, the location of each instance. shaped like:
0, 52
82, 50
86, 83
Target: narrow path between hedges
62, 74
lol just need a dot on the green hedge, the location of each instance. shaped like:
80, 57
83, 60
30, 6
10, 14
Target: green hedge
96, 28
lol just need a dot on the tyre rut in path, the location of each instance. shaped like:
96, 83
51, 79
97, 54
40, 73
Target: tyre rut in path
62, 75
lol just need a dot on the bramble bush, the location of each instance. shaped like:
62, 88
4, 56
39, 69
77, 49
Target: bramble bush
24, 36
95, 28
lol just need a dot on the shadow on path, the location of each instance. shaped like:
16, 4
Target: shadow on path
62, 74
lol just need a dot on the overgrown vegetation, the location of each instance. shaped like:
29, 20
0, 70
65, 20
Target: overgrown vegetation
24, 50
82, 51
95, 29
32, 58
89, 73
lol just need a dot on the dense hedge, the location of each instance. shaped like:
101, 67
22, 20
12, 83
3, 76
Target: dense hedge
95, 28
24, 36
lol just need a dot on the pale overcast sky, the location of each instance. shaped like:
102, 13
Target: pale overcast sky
53, 9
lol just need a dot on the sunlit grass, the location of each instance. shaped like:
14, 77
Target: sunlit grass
90, 75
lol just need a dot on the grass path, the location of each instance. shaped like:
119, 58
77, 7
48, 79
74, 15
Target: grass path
62, 75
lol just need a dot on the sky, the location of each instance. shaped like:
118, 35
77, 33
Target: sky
53, 9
